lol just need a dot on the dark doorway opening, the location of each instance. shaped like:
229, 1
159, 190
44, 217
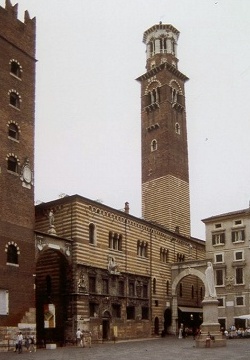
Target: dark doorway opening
105, 329
156, 326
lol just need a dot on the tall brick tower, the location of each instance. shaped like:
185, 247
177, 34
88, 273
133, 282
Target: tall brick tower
17, 111
165, 177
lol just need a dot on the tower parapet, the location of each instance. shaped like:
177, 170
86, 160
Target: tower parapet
20, 34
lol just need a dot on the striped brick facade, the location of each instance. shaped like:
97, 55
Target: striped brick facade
172, 195
145, 275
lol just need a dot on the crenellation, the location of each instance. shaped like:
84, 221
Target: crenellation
21, 35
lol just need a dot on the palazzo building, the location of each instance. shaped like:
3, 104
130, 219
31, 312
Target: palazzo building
227, 246
108, 272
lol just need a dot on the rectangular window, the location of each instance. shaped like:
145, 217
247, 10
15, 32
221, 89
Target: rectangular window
221, 302
144, 313
238, 236
131, 289
105, 286
4, 302
218, 239
93, 309
219, 277
217, 226
92, 284
238, 255
219, 258
239, 276
121, 288
130, 312
116, 310
238, 222
145, 291
240, 301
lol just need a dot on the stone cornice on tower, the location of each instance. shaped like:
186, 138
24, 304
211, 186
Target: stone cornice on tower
161, 67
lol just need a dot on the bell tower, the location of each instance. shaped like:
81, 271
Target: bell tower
164, 148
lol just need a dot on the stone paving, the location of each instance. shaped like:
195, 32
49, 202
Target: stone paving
169, 348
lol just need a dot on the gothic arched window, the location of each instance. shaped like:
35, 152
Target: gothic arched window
15, 68
12, 254
92, 237
177, 128
153, 145
12, 164
13, 131
15, 99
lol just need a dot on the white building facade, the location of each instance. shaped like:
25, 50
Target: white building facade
227, 246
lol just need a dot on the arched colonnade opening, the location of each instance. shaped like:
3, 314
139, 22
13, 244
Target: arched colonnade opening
188, 290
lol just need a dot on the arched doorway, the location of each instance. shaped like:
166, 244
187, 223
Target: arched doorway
52, 296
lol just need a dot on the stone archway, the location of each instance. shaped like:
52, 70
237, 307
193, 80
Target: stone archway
184, 273
52, 290
180, 271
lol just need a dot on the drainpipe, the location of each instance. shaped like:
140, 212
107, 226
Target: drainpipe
150, 274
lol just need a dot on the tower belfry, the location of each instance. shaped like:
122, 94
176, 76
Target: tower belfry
164, 148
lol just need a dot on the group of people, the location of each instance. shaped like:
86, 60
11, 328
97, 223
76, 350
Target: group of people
28, 342
80, 338
234, 333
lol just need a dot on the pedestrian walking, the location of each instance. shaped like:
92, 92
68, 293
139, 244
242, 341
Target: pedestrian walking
79, 336
20, 342
32, 344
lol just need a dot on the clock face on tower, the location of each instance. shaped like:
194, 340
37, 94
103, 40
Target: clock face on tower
26, 175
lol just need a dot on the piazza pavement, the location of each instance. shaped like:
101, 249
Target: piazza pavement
169, 348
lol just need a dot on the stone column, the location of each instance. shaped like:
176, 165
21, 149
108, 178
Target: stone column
174, 315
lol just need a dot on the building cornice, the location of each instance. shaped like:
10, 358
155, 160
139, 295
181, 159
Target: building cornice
149, 74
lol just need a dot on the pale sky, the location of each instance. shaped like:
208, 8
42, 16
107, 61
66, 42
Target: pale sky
88, 103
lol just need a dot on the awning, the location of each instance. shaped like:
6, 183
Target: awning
190, 309
245, 317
